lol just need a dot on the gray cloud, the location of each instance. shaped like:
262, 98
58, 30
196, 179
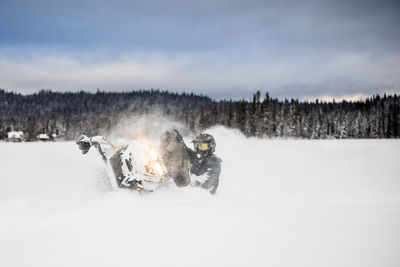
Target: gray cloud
341, 76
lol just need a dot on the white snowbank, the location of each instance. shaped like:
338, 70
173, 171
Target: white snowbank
280, 203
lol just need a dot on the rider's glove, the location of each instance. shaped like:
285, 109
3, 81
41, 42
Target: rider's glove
179, 137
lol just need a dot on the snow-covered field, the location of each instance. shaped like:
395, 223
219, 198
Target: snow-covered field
280, 203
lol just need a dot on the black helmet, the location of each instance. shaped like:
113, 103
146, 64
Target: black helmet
204, 145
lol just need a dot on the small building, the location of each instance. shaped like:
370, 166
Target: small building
43, 137
54, 137
15, 136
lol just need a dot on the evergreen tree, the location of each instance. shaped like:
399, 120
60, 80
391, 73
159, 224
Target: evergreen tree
71, 113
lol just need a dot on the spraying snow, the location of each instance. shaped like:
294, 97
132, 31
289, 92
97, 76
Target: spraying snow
279, 203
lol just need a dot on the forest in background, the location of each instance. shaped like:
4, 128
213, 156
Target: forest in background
70, 113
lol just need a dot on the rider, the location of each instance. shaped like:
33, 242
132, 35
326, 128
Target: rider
205, 165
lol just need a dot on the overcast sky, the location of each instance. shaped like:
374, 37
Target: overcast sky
224, 49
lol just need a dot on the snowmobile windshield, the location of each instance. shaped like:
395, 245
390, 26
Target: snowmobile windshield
202, 146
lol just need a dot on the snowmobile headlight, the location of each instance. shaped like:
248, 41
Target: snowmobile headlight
153, 154
202, 146
158, 169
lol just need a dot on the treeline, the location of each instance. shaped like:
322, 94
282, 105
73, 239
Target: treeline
68, 114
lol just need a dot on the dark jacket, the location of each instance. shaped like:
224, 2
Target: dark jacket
209, 166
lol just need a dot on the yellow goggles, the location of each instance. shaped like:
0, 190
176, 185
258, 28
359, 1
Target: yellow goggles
202, 146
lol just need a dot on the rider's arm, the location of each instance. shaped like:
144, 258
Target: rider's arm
213, 173
192, 154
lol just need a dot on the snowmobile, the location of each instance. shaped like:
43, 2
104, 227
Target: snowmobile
140, 166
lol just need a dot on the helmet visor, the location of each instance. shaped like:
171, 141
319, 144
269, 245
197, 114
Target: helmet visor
202, 146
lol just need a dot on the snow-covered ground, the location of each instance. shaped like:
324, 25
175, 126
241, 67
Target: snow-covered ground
280, 203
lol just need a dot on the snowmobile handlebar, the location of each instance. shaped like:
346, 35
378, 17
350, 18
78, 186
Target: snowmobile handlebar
84, 143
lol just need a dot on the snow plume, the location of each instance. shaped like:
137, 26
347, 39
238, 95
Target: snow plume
279, 203
150, 126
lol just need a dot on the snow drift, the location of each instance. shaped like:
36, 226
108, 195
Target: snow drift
279, 203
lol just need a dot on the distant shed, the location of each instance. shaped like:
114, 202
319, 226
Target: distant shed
54, 136
43, 137
15, 136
